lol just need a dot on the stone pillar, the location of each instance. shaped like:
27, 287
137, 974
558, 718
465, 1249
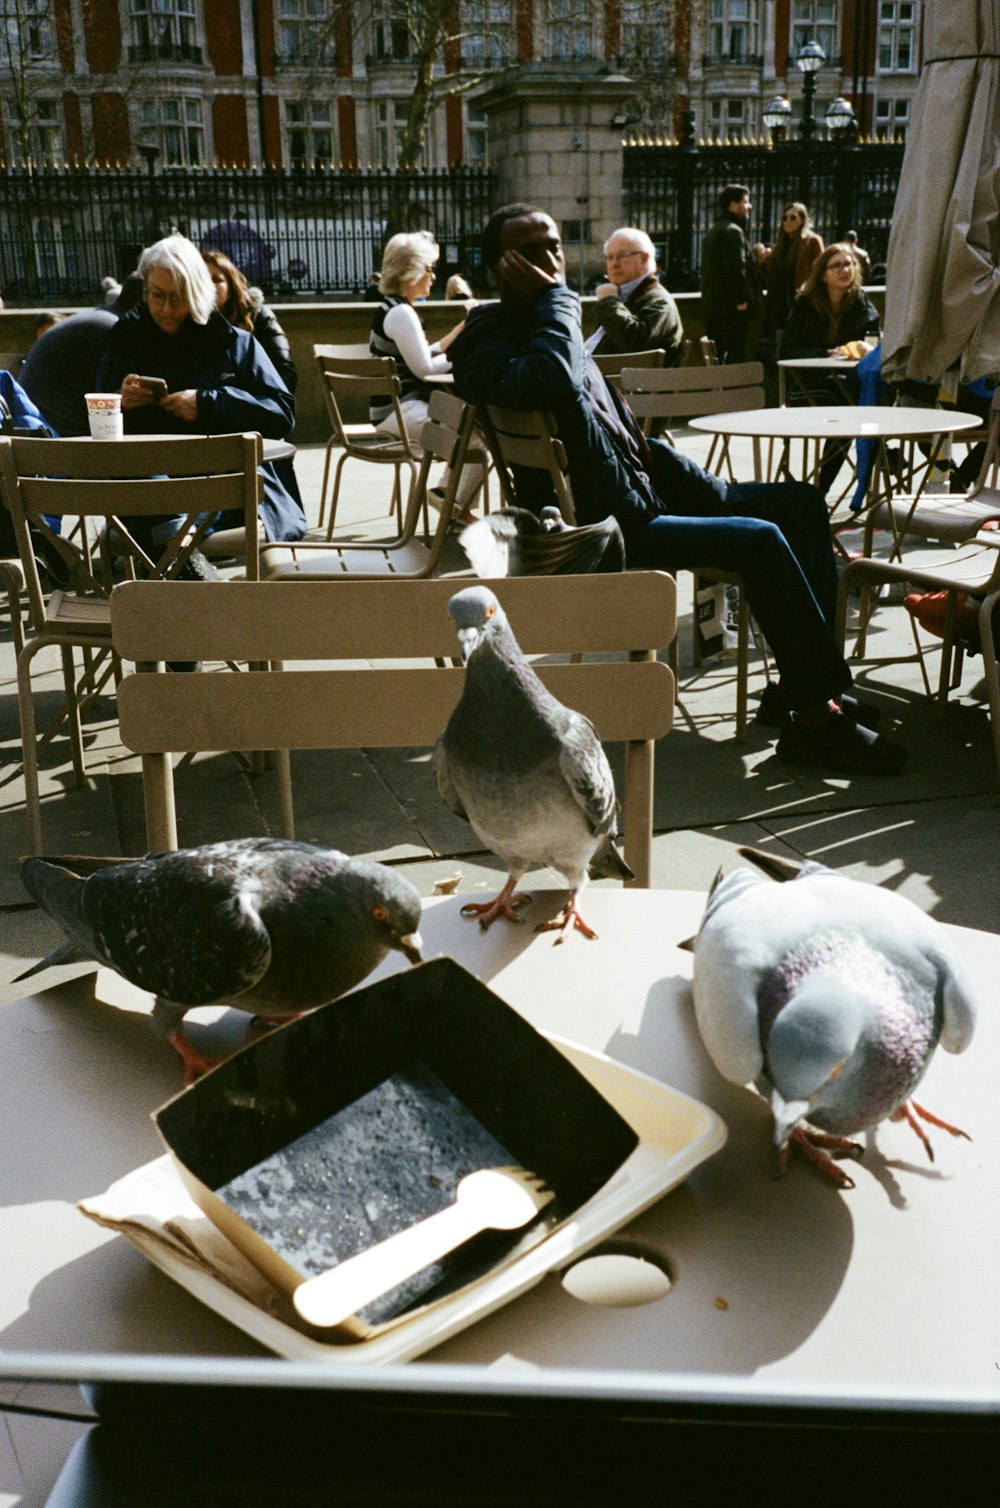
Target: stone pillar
555, 134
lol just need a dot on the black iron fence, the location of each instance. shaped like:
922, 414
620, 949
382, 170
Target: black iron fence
672, 192
317, 233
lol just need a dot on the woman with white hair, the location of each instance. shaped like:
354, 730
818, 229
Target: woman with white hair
409, 265
219, 379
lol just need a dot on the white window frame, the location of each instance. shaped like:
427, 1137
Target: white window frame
810, 24
305, 32
892, 117
897, 19
569, 30
646, 27
188, 129
488, 38
731, 117
28, 34
316, 122
729, 19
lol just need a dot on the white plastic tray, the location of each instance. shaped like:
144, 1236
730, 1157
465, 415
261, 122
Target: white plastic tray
675, 1132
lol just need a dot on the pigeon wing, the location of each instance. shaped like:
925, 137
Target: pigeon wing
585, 768
179, 928
445, 785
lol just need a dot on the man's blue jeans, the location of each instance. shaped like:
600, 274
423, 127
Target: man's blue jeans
776, 537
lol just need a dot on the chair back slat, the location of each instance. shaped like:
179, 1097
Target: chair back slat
529, 438
388, 705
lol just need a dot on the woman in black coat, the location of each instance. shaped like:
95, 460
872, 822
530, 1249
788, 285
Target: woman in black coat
245, 308
219, 380
832, 316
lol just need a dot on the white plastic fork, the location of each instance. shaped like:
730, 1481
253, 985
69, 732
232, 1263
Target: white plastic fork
491, 1199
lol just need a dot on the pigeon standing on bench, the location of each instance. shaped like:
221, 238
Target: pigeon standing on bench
267, 925
831, 995
529, 774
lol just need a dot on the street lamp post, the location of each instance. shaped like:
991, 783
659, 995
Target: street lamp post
776, 117
809, 61
843, 129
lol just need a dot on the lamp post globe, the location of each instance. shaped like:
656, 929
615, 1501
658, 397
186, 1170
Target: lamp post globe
809, 61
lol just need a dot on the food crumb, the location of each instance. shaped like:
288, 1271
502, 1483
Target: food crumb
720, 1302
448, 886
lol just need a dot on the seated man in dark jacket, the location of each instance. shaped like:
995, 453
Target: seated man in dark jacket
527, 352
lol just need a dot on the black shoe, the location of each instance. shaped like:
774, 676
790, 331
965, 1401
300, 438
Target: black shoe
773, 708
837, 743
198, 567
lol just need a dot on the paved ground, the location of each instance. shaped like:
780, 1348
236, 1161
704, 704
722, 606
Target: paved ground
931, 832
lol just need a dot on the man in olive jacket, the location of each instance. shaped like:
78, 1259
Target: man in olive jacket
634, 310
730, 287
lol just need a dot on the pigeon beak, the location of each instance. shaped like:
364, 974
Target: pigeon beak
410, 947
468, 638
787, 1114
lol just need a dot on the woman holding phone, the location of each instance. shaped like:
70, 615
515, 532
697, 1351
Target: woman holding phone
182, 368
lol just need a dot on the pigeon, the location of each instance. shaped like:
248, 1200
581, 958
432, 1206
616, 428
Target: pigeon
529, 774
513, 542
831, 996
265, 924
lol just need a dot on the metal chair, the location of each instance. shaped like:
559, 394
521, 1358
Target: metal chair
528, 438
681, 393
380, 705
445, 437
352, 381
611, 363
85, 481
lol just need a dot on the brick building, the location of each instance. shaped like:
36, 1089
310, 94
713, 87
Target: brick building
321, 82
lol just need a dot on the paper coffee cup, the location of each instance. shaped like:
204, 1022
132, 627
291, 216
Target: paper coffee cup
104, 412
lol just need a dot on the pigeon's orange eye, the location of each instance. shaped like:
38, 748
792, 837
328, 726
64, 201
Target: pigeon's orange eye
490, 611
380, 913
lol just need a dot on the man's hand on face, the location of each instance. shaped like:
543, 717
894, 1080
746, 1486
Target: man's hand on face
606, 290
521, 278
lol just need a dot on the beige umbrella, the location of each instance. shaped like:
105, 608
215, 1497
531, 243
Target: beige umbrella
942, 305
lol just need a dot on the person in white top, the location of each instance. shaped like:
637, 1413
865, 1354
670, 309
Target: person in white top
409, 264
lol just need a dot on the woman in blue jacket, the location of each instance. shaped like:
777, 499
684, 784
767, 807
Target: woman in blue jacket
219, 380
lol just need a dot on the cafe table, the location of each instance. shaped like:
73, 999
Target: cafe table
837, 366
878, 1304
848, 421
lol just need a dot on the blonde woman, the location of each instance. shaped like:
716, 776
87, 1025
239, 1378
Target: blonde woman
409, 265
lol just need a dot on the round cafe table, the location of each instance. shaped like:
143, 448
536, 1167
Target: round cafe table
847, 421
837, 366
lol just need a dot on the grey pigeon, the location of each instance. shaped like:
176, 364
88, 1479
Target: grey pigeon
831, 995
529, 774
264, 924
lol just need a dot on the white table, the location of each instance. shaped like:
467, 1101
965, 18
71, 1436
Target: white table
839, 366
786, 1285
847, 421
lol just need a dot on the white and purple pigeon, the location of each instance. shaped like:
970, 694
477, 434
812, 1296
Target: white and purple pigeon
268, 925
829, 995
528, 774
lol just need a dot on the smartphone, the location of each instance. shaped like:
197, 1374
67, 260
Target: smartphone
154, 385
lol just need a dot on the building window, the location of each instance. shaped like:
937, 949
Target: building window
569, 29
309, 133
476, 136
892, 116
390, 123
734, 31
37, 139
897, 36
815, 21
176, 126
163, 30
646, 29
305, 32
391, 25
27, 34
729, 118
487, 33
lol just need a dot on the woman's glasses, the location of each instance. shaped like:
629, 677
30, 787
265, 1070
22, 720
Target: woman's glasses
792, 216
161, 296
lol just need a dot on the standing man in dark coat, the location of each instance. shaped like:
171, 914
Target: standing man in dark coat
730, 287
634, 310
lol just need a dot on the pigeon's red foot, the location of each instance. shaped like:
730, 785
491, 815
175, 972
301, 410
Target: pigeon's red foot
260, 1020
568, 920
195, 1062
508, 903
816, 1147
906, 1113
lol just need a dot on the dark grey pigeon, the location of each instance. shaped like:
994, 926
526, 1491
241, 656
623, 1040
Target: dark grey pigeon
831, 996
264, 924
529, 774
